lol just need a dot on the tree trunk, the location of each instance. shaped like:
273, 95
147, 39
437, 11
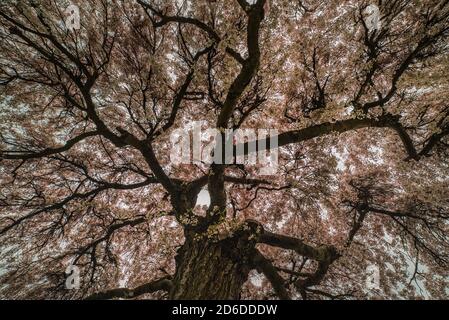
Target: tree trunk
210, 269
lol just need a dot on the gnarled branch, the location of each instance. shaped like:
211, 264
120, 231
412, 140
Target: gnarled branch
163, 284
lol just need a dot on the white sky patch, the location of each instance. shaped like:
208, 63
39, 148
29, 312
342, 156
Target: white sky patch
388, 238
341, 158
323, 212
349, 110
280, 224
256, 279
203, 198
377, 152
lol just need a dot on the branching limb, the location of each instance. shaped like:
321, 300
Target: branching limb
277, 282
74, 196
165, 19
319, 130
163, 284
25, 155
323, 253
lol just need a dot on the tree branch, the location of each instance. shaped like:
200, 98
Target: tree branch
323, 253
25, 155
213, 35
163, 284
278, 284
326, 128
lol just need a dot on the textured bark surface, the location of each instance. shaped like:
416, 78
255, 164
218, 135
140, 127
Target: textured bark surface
209, 269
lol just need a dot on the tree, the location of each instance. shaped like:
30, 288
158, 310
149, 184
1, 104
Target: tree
362, 114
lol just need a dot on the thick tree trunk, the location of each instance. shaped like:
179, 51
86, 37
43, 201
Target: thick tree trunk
209, 269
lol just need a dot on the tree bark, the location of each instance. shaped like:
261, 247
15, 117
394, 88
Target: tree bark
208, 268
